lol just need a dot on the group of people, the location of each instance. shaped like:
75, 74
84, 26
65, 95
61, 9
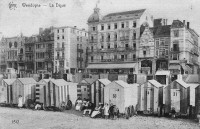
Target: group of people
101, 111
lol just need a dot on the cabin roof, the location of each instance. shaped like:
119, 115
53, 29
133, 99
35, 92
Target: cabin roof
181, 82
163, 72
9, 81
122, 83
27, 80
105, 81
155, 83
89, 80
192, 78
62, 82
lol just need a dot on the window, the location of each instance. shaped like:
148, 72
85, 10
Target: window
91, 58
134, 35
58, 45
122, 25
102, 27
176, 33
58, 30
166, 52
15, 44
77, 38
93, 28
108, 45
115, 37
108, 26
102, 38
57, 37
122, 57
108, 39
10, 44
92, 48
157, 52
63, 37
134, 24
134, 56
101, 57
63, 30
157, 44
126, 45
101, 46
134, 45
115, 46
115, 25
115, 56
144, 53
58, 54
126, 56
63, 44
127, 24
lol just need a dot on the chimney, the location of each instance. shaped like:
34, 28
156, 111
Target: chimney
163, 22
74, 26
188, 25
166, 21
184, 22
40, 31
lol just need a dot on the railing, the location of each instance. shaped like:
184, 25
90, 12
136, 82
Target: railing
79, 59
175, 50
113, 60
48, 59
79, 50
93, 41
59, 48
29, 51
113, 49
124, 38
108, 40
60, 57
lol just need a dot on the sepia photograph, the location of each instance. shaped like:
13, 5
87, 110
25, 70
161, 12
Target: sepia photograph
99, 64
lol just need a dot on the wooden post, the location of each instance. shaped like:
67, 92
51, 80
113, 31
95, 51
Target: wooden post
68, 97
54, 95
45, 104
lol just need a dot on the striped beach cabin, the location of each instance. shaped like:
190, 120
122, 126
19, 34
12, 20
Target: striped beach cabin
97, 91
6, 91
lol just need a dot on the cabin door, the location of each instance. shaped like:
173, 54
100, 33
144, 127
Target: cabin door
149, 90
175, 99
114, 96
84, 93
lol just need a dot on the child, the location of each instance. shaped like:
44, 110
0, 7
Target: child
20, 102
106, 109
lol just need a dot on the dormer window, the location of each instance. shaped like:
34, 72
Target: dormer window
122, 25
108, 26
102, 27
93, 28
176, 33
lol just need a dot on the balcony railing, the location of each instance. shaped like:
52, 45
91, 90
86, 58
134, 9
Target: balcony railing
60, 58
119, 49
93, 40
59, 48
175, 50
48, 59
124, 38
29, 51
113, 60
79, 59
80, 50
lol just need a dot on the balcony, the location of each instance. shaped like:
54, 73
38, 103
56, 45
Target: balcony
79, 50
48, 59
113, 60
59, 57
134, 38
59, 48
79, 59
29, 51
93, 41
108, 40
175, 50
101, 40
20, 54
119, 49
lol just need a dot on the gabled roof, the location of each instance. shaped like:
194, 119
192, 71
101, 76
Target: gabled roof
105, 81
155, 83
192, 78
27, 80
122, 83
89, 80
133, 12
9, 81
177, 24
161, 31
181, 82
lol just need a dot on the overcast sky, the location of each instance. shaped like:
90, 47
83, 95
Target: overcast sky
28, 20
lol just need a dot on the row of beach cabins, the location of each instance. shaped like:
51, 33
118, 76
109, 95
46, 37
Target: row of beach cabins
150, 97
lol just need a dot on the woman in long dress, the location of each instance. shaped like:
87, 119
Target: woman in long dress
20, 101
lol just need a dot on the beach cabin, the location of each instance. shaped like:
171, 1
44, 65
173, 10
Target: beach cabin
181, 96
6, 90
52, 92
84, 88
121, 94
97, 91
197, 100
150, 97
24, 87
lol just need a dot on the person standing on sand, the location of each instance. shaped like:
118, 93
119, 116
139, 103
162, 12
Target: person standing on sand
20, 101
106, 109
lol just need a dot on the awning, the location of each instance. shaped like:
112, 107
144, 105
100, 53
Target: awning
178, 67
163, 72
111, 66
